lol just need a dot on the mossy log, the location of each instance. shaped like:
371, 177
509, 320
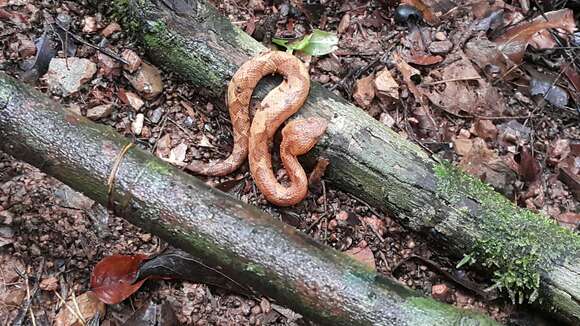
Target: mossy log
238, 239
528, 255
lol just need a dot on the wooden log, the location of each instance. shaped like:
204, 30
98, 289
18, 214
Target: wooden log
235, 238
529, 256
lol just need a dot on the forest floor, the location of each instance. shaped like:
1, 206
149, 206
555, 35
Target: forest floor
517, 127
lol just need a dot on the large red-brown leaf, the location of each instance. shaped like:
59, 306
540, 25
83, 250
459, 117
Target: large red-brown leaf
112, 276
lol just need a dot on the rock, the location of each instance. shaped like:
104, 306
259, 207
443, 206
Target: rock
441, 292
569, 220
133, 60
387, 120
75, 108
386, 85
67, 197
26, 48
137, 125
440, 36
110, 29
108, 66
156, 114
462, 146
362, 254
558, 151
100, 111
256, 5
134, 100
66, 76
147, 81
440, 47
485, 129
89, 25
6, 235
364, 91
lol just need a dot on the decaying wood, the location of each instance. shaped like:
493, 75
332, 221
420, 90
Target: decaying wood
226, 234
529, 254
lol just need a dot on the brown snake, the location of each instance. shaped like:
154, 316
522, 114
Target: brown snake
253, 139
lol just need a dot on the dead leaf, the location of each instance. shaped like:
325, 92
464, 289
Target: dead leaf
85, 306
486, 55
514, 41
344, 24
411, 76
314, 179
570, 173
424, 59
485, 164
363, 254
153, 314
529, 167
386, 85
163, 146
49, 284
364, 91
461, 89
558, 151
112, 278
428, 15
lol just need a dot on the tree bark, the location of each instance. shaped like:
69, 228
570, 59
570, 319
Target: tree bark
528, 254
243, 242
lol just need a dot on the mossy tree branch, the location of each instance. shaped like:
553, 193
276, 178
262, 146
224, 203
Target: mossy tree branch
243, 242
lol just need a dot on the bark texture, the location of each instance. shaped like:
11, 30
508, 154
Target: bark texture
243, 242
529, 256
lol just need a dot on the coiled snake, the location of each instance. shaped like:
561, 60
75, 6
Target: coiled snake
252, 140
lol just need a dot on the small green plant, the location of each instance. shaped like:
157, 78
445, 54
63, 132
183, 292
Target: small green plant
317, 43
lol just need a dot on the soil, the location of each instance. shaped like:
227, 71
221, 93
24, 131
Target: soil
48, 229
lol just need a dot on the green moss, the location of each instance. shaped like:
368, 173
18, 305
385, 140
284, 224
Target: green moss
121, 12
516, 243
255, 269
445, 314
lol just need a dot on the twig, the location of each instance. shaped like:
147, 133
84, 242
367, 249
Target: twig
21, 316
98, 48
450, 80
71, 310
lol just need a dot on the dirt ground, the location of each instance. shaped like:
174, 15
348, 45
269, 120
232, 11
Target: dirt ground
53, 236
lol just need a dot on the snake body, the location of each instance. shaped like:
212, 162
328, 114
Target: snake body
252, 139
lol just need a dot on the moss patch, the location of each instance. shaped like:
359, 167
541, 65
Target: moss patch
516, 243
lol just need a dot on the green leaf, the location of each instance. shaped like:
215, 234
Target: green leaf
316, 44
321, 43
466, 259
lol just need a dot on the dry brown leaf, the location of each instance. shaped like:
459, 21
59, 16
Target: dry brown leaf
485, 164
462, 89
530, 169
85, 306
514, 41
364, 91
424, 59
409, 73
558, 151
386, 85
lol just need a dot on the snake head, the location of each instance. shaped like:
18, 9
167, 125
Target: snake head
300, 136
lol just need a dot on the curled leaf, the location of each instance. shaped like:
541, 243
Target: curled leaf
514, 41
112, 278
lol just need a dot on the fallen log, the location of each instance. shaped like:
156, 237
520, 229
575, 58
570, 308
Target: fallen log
528, 254
243, 242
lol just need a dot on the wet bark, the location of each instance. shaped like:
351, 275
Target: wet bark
529, 254
245, 243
